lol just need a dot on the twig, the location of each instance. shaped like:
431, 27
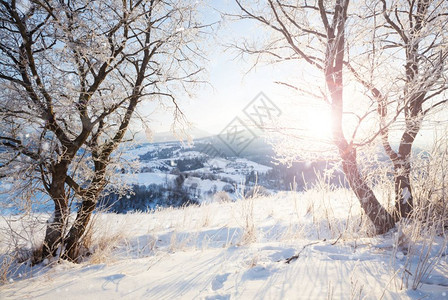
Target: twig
296, 256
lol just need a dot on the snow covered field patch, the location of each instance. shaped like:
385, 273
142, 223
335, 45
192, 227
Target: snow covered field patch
287, 246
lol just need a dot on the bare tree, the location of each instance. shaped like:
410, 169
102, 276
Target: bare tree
72, 74
315, 32
407, 77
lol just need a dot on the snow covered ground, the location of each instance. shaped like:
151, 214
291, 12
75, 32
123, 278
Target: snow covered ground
313, 245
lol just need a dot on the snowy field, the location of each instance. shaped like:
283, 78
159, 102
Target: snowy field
312, 245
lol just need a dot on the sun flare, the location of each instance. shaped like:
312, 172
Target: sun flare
317, 122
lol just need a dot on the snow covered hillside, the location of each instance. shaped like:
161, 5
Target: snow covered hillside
176, 174
312, 245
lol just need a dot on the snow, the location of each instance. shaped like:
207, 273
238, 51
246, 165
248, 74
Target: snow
256, 166
399, 255
236, 250
205, 184
406, 195
45, 146
152, 178
217, 162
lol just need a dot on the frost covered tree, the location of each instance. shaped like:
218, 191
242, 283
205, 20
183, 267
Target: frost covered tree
72, 74
395, 50
315, 32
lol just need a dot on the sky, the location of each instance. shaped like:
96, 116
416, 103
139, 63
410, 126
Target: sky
233, 85
230, 87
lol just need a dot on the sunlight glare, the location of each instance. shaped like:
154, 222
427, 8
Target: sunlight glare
317, 122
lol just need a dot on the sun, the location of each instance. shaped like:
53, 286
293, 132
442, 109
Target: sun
317, 122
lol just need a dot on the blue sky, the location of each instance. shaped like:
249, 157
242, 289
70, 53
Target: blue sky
232, 87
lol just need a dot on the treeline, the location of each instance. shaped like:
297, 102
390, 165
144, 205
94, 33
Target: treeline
298, 175
146, 198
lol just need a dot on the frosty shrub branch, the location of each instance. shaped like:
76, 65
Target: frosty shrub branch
72, 74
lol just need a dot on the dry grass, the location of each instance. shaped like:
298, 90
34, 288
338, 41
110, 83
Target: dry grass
101, 239
20, 243
6, 264
249, 235
418, 235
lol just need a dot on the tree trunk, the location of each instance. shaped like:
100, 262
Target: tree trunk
380, 217
403, 193
56, 226
402, 169
72, 242
55, 230
402, 174
334, 62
